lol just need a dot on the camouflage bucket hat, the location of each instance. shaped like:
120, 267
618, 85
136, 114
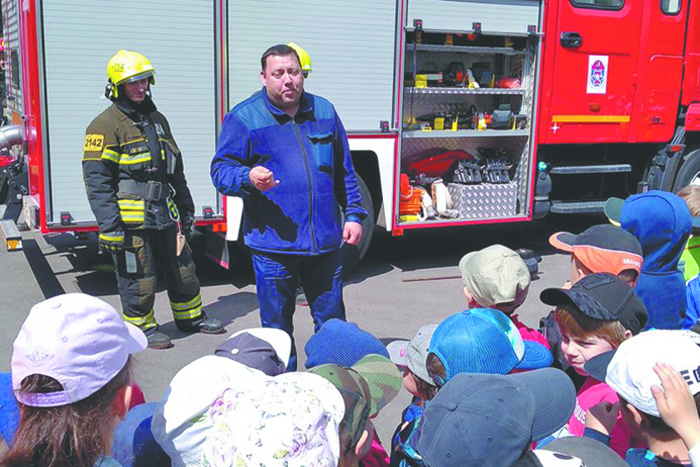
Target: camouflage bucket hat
367, 387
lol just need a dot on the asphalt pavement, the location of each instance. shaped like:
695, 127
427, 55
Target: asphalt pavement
402, 284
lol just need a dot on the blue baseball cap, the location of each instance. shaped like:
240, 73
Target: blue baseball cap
480, 419
482, 340
341, 343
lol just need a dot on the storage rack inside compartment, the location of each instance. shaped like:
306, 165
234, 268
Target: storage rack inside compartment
467, 123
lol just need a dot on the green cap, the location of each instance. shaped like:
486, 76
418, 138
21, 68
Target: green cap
367, 387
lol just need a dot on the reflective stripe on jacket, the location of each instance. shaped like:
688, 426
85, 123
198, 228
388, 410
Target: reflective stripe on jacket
121, 155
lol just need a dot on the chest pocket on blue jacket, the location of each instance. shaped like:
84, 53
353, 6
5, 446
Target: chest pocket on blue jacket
322, 147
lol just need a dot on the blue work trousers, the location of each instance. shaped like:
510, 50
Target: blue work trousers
277, 277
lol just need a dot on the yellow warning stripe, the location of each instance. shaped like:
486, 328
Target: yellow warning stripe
196, 301
195, 313
590, 119
132, 210
187, 310
126, 159
144, 323
130, 204
108, 154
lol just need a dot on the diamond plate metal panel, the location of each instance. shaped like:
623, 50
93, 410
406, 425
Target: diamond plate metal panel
485, 201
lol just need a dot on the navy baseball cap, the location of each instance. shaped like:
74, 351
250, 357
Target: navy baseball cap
265, 349
482, 419
604, 297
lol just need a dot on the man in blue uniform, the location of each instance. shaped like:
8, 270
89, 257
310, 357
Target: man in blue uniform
285, 152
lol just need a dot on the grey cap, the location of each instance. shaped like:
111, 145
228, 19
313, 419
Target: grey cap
414, 353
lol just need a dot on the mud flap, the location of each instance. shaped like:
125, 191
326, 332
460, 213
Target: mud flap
216, 248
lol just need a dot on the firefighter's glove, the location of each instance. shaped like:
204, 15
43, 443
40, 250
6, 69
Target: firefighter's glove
188, 227
112, 242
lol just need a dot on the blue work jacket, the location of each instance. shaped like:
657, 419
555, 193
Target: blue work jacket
309, 155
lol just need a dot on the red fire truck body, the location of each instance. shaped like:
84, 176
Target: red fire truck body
607, 100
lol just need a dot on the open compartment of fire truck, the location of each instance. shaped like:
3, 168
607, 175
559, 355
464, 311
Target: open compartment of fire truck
466, 150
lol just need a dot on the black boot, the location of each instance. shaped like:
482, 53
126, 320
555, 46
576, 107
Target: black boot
202, 324
157, 340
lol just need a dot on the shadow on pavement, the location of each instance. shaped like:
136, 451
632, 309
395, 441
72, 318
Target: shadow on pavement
439, 248
227, 308
47, 280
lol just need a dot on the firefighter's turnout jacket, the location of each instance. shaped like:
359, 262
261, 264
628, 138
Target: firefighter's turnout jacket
133, 170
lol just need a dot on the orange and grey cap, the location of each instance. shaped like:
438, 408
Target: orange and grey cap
602, 248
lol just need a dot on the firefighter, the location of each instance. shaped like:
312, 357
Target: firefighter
135, 182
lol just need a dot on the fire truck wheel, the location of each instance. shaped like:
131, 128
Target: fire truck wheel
353, 254
689, 173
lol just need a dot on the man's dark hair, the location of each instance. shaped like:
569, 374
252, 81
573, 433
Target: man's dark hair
280, 50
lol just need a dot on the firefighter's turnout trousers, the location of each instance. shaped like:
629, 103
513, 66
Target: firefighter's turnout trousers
134, 177
144, 251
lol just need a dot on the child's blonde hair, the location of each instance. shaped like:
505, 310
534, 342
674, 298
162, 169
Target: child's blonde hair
691, 196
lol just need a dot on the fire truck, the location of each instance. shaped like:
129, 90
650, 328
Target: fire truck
458, 111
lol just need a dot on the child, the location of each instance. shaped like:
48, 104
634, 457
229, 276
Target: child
341, 343
678, 409
218, 411
633, 373
497, 277
478, 340
411, 356
491, 420
661, 222
690, 259
601, 248
691, 254
595, 315
344, 344
481, 340
71, 376
264, 349
367, 387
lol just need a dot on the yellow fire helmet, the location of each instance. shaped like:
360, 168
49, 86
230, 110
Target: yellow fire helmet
126, 67
304, 58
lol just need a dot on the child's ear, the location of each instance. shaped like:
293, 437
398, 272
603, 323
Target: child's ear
365, 443
122, 401
627, 334
635, 414
467, 294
